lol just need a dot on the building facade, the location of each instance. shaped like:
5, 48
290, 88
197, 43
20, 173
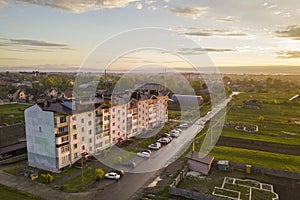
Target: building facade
58, 133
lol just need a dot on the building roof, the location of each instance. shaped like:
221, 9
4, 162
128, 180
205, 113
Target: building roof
199, 157
13, 147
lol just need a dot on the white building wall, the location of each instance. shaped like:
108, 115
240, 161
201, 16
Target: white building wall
40, 139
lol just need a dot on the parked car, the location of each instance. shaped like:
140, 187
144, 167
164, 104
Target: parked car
174, 131
154, 146
164, 140
120, 172
144, 154
183, 126
147, 150
113, 175
178, 129
174, 134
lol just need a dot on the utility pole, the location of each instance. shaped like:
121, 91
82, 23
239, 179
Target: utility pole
82, 181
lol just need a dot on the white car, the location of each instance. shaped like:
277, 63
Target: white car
183, 126
144, 154
174, 134
112, 175
155, 146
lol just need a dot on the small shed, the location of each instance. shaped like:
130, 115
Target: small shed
223, 165
199, 162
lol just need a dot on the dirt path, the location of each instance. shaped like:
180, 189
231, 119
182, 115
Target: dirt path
259, 145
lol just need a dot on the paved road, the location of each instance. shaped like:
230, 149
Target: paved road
131, 182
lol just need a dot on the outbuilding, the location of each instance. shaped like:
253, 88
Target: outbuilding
199, 162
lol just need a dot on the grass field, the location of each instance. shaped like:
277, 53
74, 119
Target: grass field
258, 158
279, 115
75, 184
11, 113
9, 193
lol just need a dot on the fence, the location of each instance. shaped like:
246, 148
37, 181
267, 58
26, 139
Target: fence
264, 170
188, 193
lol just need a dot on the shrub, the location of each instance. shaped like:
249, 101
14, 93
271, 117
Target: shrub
99, 174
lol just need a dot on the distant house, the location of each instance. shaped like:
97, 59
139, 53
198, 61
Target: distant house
199, 162
52, 92
187, 99
67, 95
27, 84
252, 104
16, 95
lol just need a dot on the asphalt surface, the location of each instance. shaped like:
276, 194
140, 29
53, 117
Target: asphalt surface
146, 169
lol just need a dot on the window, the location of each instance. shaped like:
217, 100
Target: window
40, 129
91, 149
90, 123
65, 139
113, 123
114, 109
62, 119
91, 140
90, 114
82, 120
123, 120
75, 146
83, 147
74, 127
90, 132
82, 129
114, 131
75, 136
74, 118
64, 149
82, 139
75, 155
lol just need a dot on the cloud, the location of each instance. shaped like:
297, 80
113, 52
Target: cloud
25, 45
78, 6
138, 6
194, 12
215, 32
197, 51
292, 31
3, 3
229, 19
35, 43
288, 54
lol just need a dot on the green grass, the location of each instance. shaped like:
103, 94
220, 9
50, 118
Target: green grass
262, 195
243, 190
12, 113
9, 193
277, 111
75, 184
258, 158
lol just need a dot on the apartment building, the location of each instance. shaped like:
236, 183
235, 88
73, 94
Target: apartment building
57, 133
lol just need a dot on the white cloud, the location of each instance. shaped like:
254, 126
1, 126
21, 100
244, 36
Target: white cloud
3, 3
193, 12
138, 6
78, 6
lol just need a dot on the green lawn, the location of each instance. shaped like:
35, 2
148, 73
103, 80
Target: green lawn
9, 193
279, 116
75, 184
258, 158
12, 113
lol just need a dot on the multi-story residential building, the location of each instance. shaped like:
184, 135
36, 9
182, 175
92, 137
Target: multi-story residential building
58, 133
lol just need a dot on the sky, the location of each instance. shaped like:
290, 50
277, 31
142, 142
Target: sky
232, 33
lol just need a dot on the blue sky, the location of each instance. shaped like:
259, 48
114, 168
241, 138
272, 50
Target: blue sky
62, 33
